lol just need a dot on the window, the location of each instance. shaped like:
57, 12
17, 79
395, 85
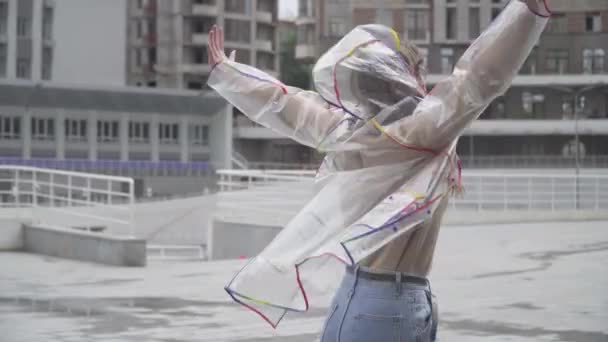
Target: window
593, 22
47, 63
237, 30
23, 68
138, 57
139, 28
202, 24
3, 60
10, 127
238, 6
23, 27
199, 55
3, 17
204, 2
593, 61
533, 104
558, 23
265, 32
43, 129
307, 8
266, 6
495, 12
474, 23
168, 133
306, 34
384, 16
567, 109
107, 131
337, 27
447, 61
75, 130
530, 64
140, 3
194, 85
47, 23
139, 132
265, 60
451, 23
199, 135
557, 61
417, 24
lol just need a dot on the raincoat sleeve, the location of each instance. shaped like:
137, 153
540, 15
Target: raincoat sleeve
484, 72
294, 113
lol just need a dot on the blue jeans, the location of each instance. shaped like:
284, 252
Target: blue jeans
387, 307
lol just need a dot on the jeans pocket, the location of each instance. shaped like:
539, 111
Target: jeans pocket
330, 327
423, 320
372, 327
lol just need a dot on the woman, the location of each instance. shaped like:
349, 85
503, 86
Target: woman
389, 170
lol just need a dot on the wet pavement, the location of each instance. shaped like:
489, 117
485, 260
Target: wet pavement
525, 282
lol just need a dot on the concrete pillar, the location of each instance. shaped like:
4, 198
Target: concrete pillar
123, 136
253, 33
59, 134
154, 138
26, 134
11, 30
184, 139
220, 139
37, 6
92, 135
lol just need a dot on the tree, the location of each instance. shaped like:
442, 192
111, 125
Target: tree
293, 72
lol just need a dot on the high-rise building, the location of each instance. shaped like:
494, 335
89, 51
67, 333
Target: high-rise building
558, 102
26, 36
67, 41
168, 38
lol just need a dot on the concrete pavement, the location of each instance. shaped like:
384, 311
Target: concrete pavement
524, 282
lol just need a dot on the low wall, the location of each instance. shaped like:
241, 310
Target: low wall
11, 235
228, 240
461, 217
84, 246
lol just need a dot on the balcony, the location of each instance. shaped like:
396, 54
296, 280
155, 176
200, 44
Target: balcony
265, 45
255, 132
304, 51
265, 17
537, 127
207, 10
200, 38
306, 20
544, 80
194, 68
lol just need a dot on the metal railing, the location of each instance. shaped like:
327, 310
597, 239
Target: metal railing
533, 161
68, 199
484, 190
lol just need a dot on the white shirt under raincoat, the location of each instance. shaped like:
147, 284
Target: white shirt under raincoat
390, 160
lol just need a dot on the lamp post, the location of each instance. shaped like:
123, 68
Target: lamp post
578, 107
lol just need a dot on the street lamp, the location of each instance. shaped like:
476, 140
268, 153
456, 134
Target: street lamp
578, 107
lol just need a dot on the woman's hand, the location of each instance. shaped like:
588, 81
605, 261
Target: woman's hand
539, 7
216, 47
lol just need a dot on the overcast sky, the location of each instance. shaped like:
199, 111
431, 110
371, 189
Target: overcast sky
288, 8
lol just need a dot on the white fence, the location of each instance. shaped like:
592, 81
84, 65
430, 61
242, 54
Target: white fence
484, 191
73, 199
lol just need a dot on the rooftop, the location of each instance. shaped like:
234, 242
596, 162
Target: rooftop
524, 282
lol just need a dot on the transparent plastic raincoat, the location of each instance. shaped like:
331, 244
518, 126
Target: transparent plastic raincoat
390, 149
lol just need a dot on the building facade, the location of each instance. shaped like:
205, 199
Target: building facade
141, 133
26, 36
168, 39
66, 41
558, 102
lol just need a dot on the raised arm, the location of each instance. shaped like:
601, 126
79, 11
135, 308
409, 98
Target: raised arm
484, 72
294, 113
